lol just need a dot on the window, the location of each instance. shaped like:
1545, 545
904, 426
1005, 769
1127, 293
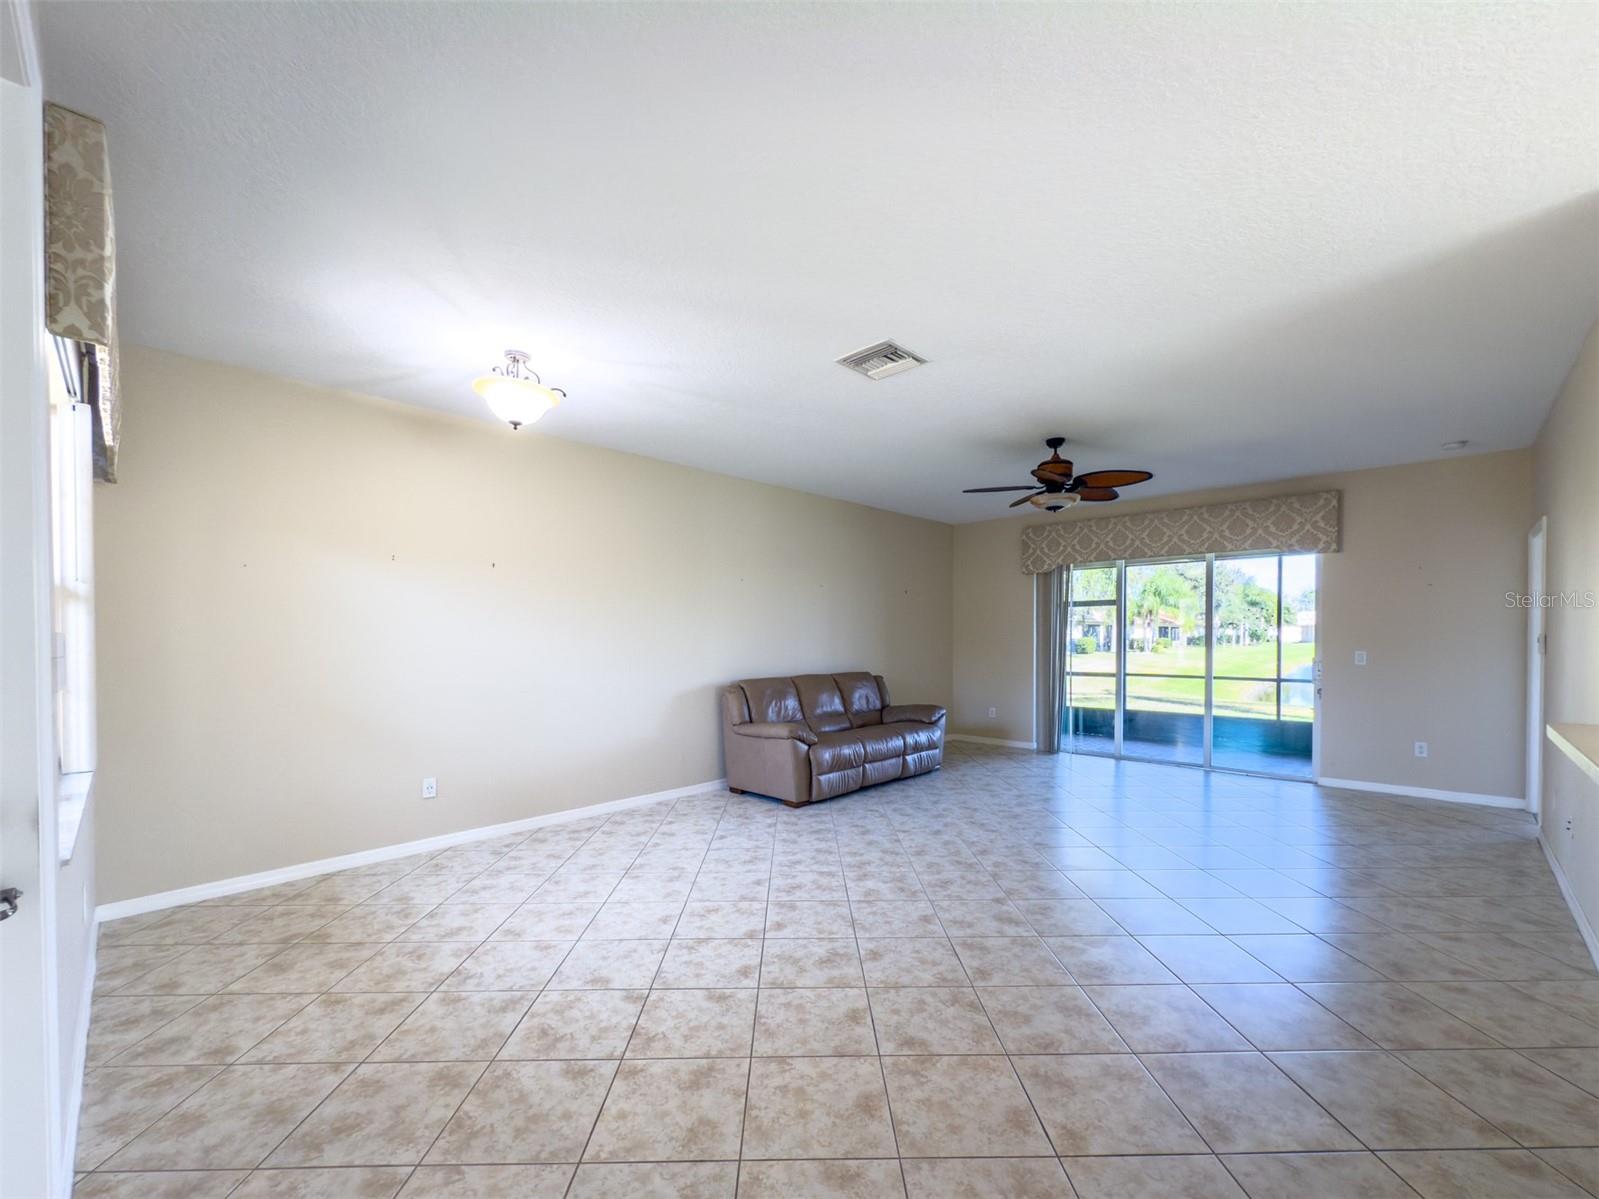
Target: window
72, 562
1206, 661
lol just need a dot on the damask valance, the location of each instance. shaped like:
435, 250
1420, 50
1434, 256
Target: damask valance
1300, 524
81, 266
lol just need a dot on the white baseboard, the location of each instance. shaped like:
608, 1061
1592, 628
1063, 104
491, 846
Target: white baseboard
80, 1058
973, 739
1469, 797
1584, 925
367, 857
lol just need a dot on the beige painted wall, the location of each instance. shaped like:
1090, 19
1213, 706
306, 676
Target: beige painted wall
309, 601
1419, 585
1567, 492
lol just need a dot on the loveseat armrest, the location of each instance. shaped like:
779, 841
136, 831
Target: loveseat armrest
778, 731
920, 713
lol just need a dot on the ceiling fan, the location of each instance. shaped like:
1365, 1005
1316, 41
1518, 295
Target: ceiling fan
1058, 488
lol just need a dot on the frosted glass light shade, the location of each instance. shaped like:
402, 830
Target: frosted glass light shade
1056, 499
518, 402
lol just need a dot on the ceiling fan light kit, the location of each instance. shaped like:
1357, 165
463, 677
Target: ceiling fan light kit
515, 393
1057, 488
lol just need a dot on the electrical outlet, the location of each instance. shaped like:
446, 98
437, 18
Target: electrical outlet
1360, 657
430, 788
992, 713
1421, 749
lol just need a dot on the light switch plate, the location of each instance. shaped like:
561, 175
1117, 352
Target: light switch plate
1360, 657
430, 788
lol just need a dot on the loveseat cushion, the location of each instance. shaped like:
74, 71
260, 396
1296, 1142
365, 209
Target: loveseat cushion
880, 742
787, 731
919, 738
922, 713
863, 701
823, 703
835, 751
773, 701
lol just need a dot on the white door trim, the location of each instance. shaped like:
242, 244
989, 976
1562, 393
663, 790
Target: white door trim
1537, 572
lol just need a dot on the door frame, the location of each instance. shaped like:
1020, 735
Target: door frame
1117, 748
1537, 648
33, 1135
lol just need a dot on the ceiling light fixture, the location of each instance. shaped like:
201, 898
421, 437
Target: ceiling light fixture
515, 393
1052, 501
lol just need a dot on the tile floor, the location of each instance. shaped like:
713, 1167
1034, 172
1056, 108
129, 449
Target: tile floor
1021, 976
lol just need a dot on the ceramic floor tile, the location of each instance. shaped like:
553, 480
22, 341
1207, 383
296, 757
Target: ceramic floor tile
190, 1184
826, 1021
609, 965
822, 1107
1009, 961
895, 918
722, 918
1241, 1103
1520, 1097
1104, 1104
983, 1177
406, 967
931, 1020
1579, 1165
1395, 1017
385, 1113
199, 969
120, 1102
1108, 960
546, 922
961, 1106
717, 962
508, 966
1211, 959
374, 923
455, 1027
491, 1126
335, 1182
1482, 1175
810, 963
1509, 1015
809, 918
1165, 1019
1303, 1175
1304, 958
820, 1179
335, 1028
1279, 1016
301, 969
233, 1121
911, 962
576, 1025
1190, 1176
690, 1110
1387, 1104
215, 1031
120, 1021
655, 1180
1580, 1066
695, 1023
1048, 1020
487, 1182
633, 921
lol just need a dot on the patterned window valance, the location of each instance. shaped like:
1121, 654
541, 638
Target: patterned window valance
1284, 524
81, 266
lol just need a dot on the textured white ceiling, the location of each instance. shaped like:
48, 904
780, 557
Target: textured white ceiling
1225, 242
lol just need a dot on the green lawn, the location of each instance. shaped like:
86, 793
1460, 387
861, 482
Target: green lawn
1233, 697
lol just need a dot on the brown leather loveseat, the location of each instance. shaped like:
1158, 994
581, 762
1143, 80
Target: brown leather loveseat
815, 736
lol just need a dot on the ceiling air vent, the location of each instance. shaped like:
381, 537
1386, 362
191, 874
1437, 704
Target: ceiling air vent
881, 361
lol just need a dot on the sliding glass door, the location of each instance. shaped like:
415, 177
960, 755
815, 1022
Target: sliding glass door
1205, 661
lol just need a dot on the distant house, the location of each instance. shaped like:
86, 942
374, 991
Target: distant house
1303, 629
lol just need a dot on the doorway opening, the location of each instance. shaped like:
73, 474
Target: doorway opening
1206, 661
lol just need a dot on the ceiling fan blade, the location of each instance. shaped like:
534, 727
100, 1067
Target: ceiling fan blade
1096, 495
1057, 477
1112, 478
975, 490
1024, 499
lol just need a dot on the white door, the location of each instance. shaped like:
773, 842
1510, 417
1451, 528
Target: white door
31, 1135
1536, 646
